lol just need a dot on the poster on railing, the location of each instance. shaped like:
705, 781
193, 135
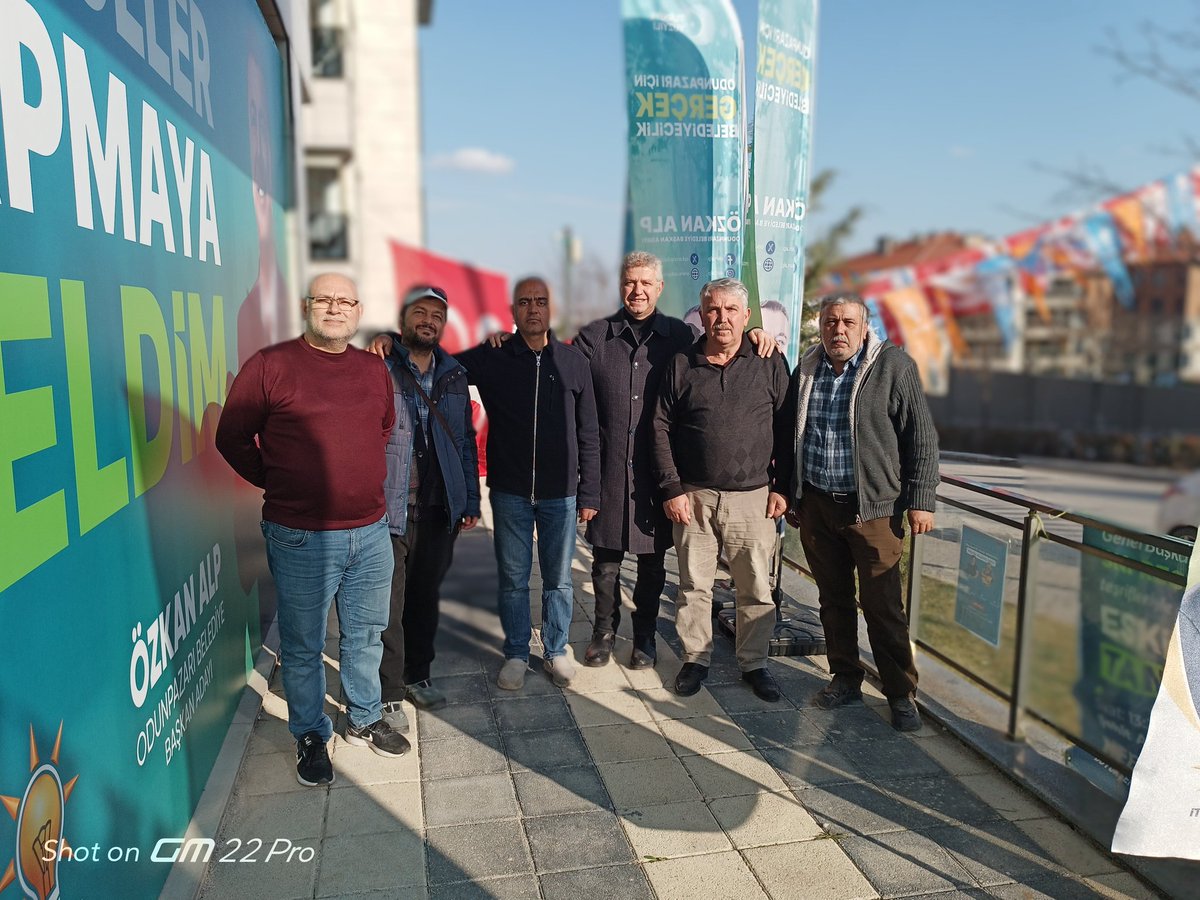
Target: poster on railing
1162, 815
979, 598
1125, 624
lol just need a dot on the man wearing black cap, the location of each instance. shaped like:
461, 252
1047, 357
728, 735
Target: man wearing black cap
432, 491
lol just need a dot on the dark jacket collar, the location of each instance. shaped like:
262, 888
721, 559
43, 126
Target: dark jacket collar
517, 345
618, 323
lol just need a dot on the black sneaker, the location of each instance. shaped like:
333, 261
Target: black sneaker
312, 761
905, 716
842, 689
379, 736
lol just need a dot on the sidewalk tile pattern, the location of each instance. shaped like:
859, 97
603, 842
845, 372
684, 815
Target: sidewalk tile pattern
616, 787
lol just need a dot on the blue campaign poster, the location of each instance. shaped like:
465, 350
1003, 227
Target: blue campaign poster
979, 600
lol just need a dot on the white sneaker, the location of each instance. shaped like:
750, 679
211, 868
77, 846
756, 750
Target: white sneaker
394, 715
512, 674
561, 669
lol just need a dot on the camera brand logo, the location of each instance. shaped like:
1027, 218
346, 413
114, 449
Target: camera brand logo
38, 813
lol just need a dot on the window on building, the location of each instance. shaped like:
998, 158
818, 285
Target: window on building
328, 44
327, 219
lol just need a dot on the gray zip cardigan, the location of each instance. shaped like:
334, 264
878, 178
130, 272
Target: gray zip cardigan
894, 440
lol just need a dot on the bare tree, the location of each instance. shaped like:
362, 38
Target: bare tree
593, 292
1166, 55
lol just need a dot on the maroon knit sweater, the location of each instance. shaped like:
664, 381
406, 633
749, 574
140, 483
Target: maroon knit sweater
322, 421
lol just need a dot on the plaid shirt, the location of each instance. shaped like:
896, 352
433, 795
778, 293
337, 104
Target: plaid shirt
828, 447
425, 380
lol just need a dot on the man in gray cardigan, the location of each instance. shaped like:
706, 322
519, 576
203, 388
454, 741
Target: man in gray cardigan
866, 451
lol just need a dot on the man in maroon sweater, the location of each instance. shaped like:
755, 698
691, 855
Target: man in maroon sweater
307, 421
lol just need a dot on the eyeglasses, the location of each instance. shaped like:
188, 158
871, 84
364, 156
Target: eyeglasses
539, 302
344, 303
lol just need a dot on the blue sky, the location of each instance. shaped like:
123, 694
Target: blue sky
932, 113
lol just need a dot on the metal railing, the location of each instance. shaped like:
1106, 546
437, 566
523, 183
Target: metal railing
1064, 617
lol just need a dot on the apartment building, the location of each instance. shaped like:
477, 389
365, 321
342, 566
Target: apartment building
362, 144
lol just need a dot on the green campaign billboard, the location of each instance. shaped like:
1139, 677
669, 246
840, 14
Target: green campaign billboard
142, 172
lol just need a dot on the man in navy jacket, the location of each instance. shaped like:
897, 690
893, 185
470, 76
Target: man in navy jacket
543, 453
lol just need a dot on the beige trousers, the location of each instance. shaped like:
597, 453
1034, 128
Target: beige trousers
736, 522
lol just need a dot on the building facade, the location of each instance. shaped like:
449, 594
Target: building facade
361, 140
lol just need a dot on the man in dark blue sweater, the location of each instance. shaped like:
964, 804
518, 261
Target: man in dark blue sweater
722, 450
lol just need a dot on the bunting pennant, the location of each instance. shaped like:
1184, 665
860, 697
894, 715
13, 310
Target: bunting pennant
878, 320
1102, 235
921, 334
1128, 216
1000, 277
995, 278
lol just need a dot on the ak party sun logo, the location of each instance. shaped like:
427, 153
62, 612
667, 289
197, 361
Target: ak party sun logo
39, 817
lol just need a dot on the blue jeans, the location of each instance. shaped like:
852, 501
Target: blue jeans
312, 569
515, 518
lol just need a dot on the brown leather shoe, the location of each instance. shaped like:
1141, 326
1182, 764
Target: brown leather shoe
599, 651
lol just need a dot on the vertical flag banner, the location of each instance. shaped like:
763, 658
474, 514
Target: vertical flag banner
783, 92
142, 255
684, 78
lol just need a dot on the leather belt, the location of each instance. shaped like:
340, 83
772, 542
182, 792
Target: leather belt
835, 496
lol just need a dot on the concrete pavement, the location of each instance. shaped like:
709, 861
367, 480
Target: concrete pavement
616, 787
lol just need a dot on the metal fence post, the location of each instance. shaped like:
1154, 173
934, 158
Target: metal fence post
916, 554
1031, 542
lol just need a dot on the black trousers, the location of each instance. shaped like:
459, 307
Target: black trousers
647, 592
836, 546
423, 555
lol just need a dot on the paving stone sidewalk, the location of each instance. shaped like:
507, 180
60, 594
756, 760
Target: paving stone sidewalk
616, 787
